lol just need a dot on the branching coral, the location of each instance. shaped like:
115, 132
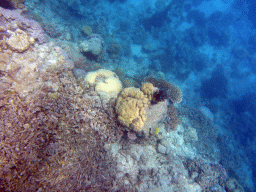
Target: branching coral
172, 119
51, 134
56, 129
24, 136
174, 94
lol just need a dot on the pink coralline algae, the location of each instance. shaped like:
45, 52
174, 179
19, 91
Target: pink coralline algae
31, 27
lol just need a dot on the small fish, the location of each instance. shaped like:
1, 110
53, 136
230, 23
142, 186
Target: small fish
157, 130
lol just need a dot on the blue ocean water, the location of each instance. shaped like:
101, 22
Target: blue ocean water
206, 47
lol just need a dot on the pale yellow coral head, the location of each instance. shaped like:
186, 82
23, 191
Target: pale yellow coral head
91, 77
104, 81
110, 85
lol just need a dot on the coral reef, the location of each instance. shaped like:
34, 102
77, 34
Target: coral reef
208, 174
174, 94
15, 21
11, 4
66, 127
104, 81
87, 30
51, 137
50, 122
113, 49
94, 45
25, 132
162, 90
17, 2
130, 107
143, 168
233, 186
135, 112
148, 89
130, 82
51, 30
173, 119
19, 41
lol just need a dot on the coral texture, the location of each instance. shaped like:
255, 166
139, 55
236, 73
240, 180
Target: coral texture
209, 174
87, 30
94, 44
18, 41
135, 112
130, 107
172, 119
52, 134
104, 81
148, 89
174, 93
32, 28
233, 186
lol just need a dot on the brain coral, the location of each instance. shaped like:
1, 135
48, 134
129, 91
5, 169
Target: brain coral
105, 81
130, 107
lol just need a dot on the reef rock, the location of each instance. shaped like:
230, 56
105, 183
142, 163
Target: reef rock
94, 45
18, 41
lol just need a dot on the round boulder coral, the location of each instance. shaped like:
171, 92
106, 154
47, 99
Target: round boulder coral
130, 107
135, 112
104, 81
